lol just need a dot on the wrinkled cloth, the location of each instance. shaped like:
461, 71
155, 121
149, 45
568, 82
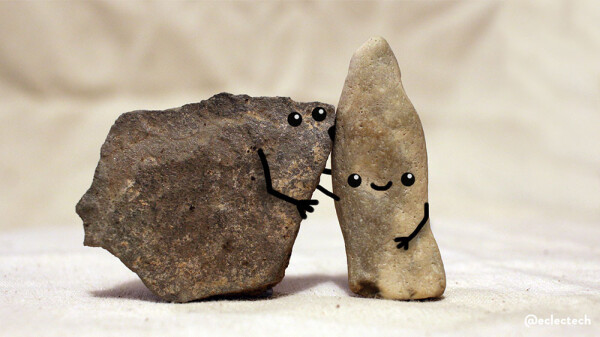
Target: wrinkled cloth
50, 285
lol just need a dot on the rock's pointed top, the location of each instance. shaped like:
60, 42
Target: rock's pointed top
374, 59
375, 46
374, 85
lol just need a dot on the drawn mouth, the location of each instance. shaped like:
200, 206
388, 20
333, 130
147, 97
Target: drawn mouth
381, 188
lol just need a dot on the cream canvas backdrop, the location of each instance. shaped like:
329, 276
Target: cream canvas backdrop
509, 96
508, 92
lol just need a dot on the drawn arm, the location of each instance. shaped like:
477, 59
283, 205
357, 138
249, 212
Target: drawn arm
327, 193
404, 240
324, 190
302, 205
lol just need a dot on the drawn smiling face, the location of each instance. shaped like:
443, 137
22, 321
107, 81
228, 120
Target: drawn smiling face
355, 180
382, 178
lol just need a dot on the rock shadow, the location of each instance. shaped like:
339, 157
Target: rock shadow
298, 283
132, 290
136, 290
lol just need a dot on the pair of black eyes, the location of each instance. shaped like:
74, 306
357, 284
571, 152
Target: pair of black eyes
354, 180
318, 114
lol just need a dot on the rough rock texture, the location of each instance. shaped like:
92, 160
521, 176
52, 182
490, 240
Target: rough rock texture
379, 137
180, 195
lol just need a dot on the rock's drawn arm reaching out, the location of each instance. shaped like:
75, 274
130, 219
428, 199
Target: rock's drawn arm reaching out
324, 190
302, 205
404, 240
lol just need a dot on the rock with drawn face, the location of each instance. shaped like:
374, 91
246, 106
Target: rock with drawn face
379, 165
207, 199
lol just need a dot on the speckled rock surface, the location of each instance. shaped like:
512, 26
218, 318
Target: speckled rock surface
379, 166
180, 195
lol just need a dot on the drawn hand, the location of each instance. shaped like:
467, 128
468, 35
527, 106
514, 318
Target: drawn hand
302, 205
305, 206
403, 242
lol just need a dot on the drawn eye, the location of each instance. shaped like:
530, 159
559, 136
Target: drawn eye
354, 180
407, 179
319, 114
294, 119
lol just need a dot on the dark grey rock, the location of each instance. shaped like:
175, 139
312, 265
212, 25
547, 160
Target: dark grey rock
180, 195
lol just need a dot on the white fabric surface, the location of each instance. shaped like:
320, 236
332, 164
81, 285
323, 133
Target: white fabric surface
50, 285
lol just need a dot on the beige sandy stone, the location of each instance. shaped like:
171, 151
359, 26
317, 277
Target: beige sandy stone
380, 138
